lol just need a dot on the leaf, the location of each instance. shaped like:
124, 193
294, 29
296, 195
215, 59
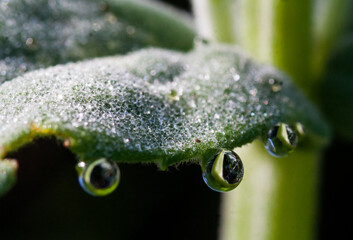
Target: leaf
40, 33
154, 105
337, 88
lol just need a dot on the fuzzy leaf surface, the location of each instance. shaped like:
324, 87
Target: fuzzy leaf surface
153, 105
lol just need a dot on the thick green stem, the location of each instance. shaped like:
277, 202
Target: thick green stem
294, 35
214, 19
292, 40
329, 18
277, 198
274, 31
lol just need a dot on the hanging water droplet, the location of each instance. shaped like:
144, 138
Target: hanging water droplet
224, 171
98, 178
281, 140
276, 85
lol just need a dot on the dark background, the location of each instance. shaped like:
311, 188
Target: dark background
48, 203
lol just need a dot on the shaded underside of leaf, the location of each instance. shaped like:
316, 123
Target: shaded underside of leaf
153, 105
40, 33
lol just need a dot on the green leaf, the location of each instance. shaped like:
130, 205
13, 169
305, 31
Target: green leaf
154, 105
337, 88
40, 33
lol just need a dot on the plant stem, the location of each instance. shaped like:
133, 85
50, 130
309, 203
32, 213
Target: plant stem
276, 199
214, 19
329, 17
292, 40
274, 31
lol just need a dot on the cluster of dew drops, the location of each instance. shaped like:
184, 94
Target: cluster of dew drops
223, 172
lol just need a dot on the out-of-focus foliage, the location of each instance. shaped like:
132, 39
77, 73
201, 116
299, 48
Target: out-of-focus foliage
40, 33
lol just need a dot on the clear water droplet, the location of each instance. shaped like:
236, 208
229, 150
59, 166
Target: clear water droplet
276, 85
236, 77
98, 178
110, 18
130, 30
253, 92
281, 140
96, 27
81, 164
29, 41
173, 95
224, 171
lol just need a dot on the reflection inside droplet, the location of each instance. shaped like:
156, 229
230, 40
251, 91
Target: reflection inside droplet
281, 140
224, 171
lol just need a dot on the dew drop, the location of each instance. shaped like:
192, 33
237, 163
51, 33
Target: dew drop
276, 85
81, 164
130, 30
98, 178
29, 41
236, 77
96, 27
67, 143
173, 95
110, 18
253, 92
224, 171
281, 140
